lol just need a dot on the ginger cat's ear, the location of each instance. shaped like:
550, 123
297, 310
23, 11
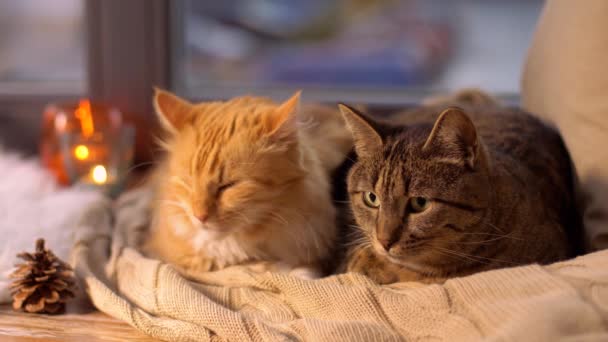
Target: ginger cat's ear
454, 138
365, 133
172, 110
281, 124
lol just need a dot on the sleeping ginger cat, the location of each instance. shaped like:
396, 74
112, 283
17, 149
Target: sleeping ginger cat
246, 181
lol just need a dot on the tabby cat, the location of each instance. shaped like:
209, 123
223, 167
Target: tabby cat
246, 181
448, 191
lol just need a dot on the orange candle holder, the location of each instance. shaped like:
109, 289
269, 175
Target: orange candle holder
87, 144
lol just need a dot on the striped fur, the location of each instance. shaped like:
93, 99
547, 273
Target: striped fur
498, 181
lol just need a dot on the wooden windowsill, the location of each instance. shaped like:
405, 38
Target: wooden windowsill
78, 324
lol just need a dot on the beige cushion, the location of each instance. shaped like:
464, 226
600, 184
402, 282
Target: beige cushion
565, 81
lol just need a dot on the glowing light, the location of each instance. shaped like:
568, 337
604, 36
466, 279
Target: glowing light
99, 174
81, 152
61, 122
85, 115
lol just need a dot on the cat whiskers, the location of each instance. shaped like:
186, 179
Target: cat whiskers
495, 227
289, 230
493, 238
245, 218
312, 231
480, 218
178, 204
470, 257
366, 245
459, 256
358, 228
243, 163
180, 182
278, 217
132, 168
363, 239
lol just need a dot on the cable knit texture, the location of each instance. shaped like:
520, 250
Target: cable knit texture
532, 303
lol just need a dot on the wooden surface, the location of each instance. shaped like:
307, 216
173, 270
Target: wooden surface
80, 323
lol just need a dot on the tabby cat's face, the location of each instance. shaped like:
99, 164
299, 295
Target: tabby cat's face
417, 191
228, 162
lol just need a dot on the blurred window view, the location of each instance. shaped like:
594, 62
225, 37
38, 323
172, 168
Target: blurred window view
225, 48
352, 45
42, 41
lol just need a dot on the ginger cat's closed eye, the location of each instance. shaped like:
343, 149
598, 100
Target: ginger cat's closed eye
244, 182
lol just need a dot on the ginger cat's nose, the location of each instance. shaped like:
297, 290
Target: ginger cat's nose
201, 215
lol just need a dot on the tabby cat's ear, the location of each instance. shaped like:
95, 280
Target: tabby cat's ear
172, 110
282, 122
367, 139
454, 138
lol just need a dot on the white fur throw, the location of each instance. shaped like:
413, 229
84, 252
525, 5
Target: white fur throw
33, 206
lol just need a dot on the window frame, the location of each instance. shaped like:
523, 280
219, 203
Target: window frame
127, 54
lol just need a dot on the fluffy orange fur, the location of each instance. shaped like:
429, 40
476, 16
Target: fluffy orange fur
244, 182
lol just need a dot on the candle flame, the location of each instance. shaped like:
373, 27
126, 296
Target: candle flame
99, 174
85, 115
81, 152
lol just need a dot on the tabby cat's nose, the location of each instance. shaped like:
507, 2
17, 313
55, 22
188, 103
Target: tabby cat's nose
387, 243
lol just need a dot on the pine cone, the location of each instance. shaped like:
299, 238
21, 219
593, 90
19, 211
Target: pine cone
43, 283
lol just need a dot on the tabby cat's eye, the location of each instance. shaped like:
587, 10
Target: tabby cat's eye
419, 204
371, 200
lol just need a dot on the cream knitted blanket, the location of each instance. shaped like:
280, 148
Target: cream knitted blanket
534, 303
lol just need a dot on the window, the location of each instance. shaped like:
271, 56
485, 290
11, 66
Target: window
378, 51
42, 42
374, 51
42, 60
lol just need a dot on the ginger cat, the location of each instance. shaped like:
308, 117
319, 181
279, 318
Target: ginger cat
446, 191
246, 181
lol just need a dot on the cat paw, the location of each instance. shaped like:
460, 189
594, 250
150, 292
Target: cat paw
302, 272
306, 273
